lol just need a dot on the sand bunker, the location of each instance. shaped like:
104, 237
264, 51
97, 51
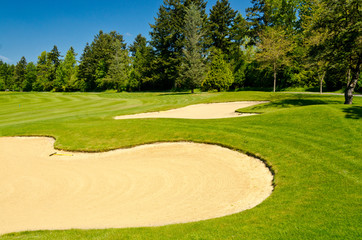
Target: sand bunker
199, 111
149, 185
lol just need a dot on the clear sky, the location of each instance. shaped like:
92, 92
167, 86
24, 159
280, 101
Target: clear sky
28, 28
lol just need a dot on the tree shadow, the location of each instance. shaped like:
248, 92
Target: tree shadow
354, 112
175, 94
288, 103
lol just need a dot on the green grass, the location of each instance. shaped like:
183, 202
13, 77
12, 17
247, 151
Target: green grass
313, 144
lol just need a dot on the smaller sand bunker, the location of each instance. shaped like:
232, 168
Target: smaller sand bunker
199, 111
150, 185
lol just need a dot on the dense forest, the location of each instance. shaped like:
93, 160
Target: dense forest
278, 44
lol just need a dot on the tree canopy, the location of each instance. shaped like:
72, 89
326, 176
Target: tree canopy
284, 43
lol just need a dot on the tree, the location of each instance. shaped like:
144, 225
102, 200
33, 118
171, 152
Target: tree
193, 67
219, 76
269, 13
30, 77
220, 24
53, 63
19, 74
259, 17
97, 59
43, 69
343, 45
239, 50
167, 39
6, 75
142, 58
119, 72
66, 73
274, 47
312, 38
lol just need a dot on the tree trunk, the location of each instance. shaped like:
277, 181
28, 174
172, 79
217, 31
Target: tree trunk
348, 94
321, 78
348, 77
192, 90
275, 77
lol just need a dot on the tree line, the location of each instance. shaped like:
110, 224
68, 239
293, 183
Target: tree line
278, 44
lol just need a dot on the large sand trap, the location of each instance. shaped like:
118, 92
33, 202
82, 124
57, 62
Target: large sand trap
149, 185
199, 111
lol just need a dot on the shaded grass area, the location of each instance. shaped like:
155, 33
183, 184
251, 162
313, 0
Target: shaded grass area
313, 143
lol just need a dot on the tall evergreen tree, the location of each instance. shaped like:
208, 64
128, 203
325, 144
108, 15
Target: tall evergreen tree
6, 75
30, 77
119, 72
193, 67
43, 73
66, 73
139, 44
97, 59
53, 61
219, 76
266, 13
220, 24
142, 59
167, 40
3, 75
19, 74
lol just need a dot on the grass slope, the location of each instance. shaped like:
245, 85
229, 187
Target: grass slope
313, 144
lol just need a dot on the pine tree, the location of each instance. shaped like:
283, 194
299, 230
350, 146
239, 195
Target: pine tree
168, 41
166, 38
140, 73
238, 49
6, 75
97, 59
43, 72
220, 24
53, 62
117, 77
19, 74
269, 13
66, 73
30, 77
193, 69
219, 76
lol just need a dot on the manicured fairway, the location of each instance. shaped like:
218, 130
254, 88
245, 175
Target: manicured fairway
313, 143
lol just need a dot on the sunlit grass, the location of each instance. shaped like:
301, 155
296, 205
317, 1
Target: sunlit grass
312, 142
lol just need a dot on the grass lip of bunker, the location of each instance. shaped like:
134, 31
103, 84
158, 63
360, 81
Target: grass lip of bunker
139, 186
200, 111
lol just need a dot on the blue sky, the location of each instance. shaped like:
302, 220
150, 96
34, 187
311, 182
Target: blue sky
28, 28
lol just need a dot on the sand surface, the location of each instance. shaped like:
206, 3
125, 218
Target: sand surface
199, 111
149, 185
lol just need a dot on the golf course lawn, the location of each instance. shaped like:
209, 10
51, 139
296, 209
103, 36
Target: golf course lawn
312, 143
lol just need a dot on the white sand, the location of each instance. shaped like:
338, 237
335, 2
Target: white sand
199, 111
149, 185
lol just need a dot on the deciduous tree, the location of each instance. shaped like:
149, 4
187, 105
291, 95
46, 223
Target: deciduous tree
274, 47
343, 44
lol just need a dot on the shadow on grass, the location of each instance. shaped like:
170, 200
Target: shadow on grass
354, 112
288, 103
175, 94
